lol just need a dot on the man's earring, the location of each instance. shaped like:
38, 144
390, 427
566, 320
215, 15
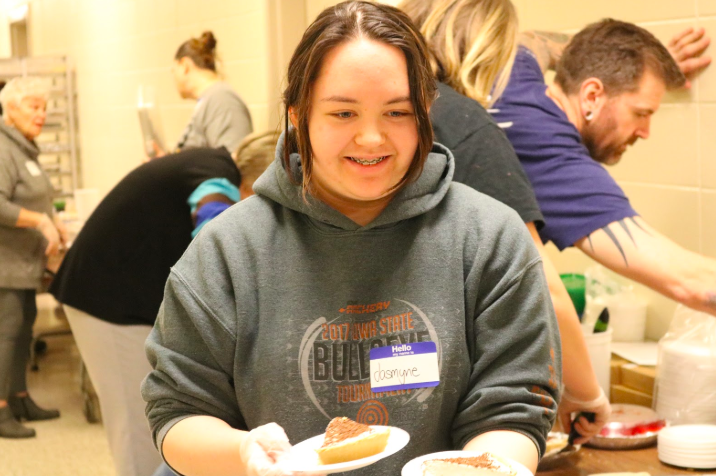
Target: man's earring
589, 115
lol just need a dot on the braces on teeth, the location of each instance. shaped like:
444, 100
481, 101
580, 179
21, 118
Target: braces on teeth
368, 162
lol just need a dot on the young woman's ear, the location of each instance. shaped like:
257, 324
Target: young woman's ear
293, 117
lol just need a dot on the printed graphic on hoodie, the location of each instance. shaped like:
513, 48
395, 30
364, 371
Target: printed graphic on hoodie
334, 358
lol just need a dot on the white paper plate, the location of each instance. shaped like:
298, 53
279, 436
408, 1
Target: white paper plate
414, 466
686, 434
686, 462
696, 457
304, 458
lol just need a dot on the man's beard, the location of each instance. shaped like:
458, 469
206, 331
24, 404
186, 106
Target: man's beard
593, 138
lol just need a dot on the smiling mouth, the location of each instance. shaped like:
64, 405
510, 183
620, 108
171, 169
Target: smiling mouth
375, 161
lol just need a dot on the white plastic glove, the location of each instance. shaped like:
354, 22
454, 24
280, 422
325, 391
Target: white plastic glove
599, 406
266, 451
49, 231
263, 449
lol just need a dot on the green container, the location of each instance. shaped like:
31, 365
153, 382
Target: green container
575, 284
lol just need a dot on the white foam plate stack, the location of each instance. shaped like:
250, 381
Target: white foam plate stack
688, 446
686, 383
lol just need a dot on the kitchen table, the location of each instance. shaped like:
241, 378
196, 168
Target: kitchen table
591, 461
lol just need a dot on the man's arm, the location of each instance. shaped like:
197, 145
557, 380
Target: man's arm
687, 47
633, 249
546, 46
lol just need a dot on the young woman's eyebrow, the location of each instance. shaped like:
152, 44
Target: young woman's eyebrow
354, 101
339, 99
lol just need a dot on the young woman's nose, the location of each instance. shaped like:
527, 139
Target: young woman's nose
369, 134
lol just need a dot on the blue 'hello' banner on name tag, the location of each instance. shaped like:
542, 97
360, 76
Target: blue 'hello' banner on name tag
405, 366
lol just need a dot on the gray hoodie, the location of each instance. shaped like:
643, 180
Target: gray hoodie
270, 314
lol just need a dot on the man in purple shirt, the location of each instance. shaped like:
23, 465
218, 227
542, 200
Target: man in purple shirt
610, 80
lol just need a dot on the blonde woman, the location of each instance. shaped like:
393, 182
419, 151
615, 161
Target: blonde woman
473, 45
472, 42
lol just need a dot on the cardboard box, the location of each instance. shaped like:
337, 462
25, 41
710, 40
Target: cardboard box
638, 377
616, 365
622, 394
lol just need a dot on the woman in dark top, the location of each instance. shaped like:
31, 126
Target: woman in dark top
473, 44
111, 282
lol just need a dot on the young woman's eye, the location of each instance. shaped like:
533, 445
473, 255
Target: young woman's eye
344, 114
398, 113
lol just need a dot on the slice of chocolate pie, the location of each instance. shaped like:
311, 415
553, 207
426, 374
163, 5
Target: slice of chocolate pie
347, 440
485, 464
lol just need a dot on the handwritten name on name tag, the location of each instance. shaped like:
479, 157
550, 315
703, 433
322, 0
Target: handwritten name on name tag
405, 366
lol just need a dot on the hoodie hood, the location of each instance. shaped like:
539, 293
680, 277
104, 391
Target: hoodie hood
412, 200
14, 135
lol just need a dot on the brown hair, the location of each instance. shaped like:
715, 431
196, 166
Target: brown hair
255, 153
200, 50
336, 25
617, 53
472, 43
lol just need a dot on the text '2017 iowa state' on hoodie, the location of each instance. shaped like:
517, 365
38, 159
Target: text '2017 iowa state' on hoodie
270, 315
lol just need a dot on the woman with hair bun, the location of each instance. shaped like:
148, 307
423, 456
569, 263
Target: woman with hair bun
220, 117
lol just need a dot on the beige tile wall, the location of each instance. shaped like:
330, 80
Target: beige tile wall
118, 45
671, 177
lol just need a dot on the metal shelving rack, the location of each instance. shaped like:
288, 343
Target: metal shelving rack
59, 140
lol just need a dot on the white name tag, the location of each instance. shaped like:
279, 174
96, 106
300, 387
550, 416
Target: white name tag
405, 366
33, 168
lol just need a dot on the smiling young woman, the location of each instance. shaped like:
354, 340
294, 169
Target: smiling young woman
355, 225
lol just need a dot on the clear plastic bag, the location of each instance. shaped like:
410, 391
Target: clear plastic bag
685, 390
600, 288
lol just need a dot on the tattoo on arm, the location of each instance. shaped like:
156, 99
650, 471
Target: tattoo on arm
625, 226
626, 229
554, 36
546, 46
633, 220
614, 239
